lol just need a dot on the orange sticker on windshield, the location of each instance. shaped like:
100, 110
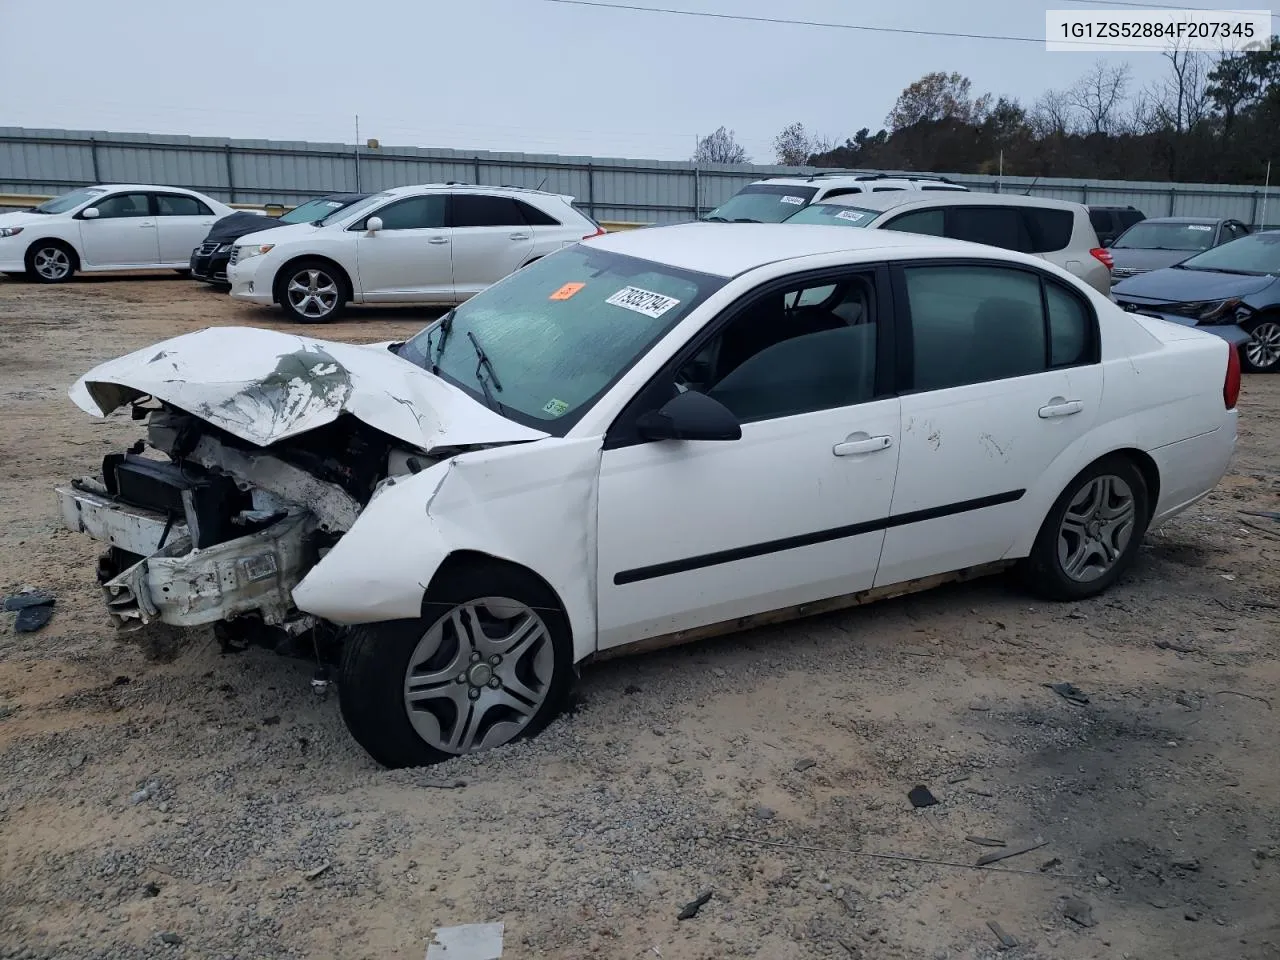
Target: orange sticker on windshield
567, 291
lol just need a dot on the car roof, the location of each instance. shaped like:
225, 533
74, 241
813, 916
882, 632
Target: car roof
891, 201
478, 187
1184, 220
138, 186
862, 179
731, 249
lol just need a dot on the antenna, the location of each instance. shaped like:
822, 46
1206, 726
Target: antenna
542, 182
1027, 192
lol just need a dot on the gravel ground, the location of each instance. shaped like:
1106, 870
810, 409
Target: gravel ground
172, 801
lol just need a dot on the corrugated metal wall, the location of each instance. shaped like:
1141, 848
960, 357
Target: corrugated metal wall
261, 171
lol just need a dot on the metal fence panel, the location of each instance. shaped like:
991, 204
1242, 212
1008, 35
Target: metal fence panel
43, 162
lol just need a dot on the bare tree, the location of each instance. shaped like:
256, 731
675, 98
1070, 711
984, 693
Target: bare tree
793, 146
720, 147
1053, 114
1182, 99
1099, 96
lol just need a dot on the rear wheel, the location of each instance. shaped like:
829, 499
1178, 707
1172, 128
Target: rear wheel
311, 291
50, 261
1092, 532
1261, 353
489, 662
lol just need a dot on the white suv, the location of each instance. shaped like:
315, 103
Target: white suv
433, 243
1054, 230
776, 199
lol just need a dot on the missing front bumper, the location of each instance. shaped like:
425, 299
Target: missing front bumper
177, 584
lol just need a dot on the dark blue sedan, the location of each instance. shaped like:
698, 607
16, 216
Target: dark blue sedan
1232, 290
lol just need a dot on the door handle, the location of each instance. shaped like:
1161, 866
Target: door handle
438, 240
1060, 407
857, 443
519, 236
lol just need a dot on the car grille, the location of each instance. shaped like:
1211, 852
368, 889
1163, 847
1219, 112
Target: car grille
207, 248
1127, 271
235, 255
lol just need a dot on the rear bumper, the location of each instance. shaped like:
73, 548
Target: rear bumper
1190, 469
183, 586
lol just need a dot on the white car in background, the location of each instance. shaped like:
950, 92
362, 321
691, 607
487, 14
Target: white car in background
107, 227
432, 244
1054, 230
777, 198
645, 439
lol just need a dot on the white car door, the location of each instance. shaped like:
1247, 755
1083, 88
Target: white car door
411, 258
490, 240
1000, 390
123, 234
182, 222
697, 532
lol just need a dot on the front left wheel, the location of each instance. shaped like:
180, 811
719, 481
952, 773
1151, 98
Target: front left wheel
311, 291
489, 662
50, 261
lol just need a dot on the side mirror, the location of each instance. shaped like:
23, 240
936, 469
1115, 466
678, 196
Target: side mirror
92, 213
690, 416
373, 224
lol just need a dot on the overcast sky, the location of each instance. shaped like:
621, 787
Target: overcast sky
517, 75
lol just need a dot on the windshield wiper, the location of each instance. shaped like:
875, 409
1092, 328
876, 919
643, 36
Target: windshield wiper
446, 324
745, 220
714, 219
485, 365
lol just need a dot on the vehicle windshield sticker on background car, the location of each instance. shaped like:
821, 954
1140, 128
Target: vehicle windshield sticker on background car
853, 215
555, 407
567, 291
652, 305
1204, 228
798, 201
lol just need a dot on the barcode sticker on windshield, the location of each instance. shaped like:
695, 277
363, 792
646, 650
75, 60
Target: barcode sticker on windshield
1199, 226
652, 305
798, 201
853, 215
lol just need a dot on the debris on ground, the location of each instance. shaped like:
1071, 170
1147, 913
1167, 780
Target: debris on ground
470, 941
1265, 514
1006, 942
691, 908
1175, 647
986, 841
34, 609
921, 797
761, 812
804, 764
172, 939
1078, 912
323, 868
1050, 864
987, 858
1069, 692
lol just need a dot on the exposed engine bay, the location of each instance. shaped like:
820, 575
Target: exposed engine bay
203, 526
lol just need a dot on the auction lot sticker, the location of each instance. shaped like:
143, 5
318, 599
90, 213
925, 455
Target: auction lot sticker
652, 305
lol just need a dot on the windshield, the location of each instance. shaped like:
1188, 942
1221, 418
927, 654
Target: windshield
559, 332
355, 208
1166, 236
312, 211
69, 201
835, 215
1258, 254
763, 203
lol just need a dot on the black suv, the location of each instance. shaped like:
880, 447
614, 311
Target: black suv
1110, 222
209, 260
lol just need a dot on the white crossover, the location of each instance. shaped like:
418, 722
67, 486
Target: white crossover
432, 244
644, 439
107, 227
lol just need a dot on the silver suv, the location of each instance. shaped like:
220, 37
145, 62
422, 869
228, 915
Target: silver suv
775, 199
1054, 230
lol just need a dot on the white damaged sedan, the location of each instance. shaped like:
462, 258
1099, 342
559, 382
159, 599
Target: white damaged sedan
642, 439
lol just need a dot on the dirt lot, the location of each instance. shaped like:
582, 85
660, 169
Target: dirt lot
179, 806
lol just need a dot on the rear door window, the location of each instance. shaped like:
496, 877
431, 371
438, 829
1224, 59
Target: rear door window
535, 217
478, 210
930, 222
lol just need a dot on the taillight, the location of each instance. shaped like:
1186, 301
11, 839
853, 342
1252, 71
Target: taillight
1103, 256
600, 232
1231, 383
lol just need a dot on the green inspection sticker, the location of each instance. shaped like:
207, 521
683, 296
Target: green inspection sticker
555, 407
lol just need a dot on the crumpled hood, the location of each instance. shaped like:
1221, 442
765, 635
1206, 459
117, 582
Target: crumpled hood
1173, 285
263, 386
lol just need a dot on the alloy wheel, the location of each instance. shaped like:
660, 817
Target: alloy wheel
479, 675
1263, 347
52, 263
313, 294
1096, 528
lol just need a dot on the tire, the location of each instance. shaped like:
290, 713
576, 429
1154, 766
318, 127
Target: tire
435, 663
311, 291
1261, 354
1080, 552
50, 261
